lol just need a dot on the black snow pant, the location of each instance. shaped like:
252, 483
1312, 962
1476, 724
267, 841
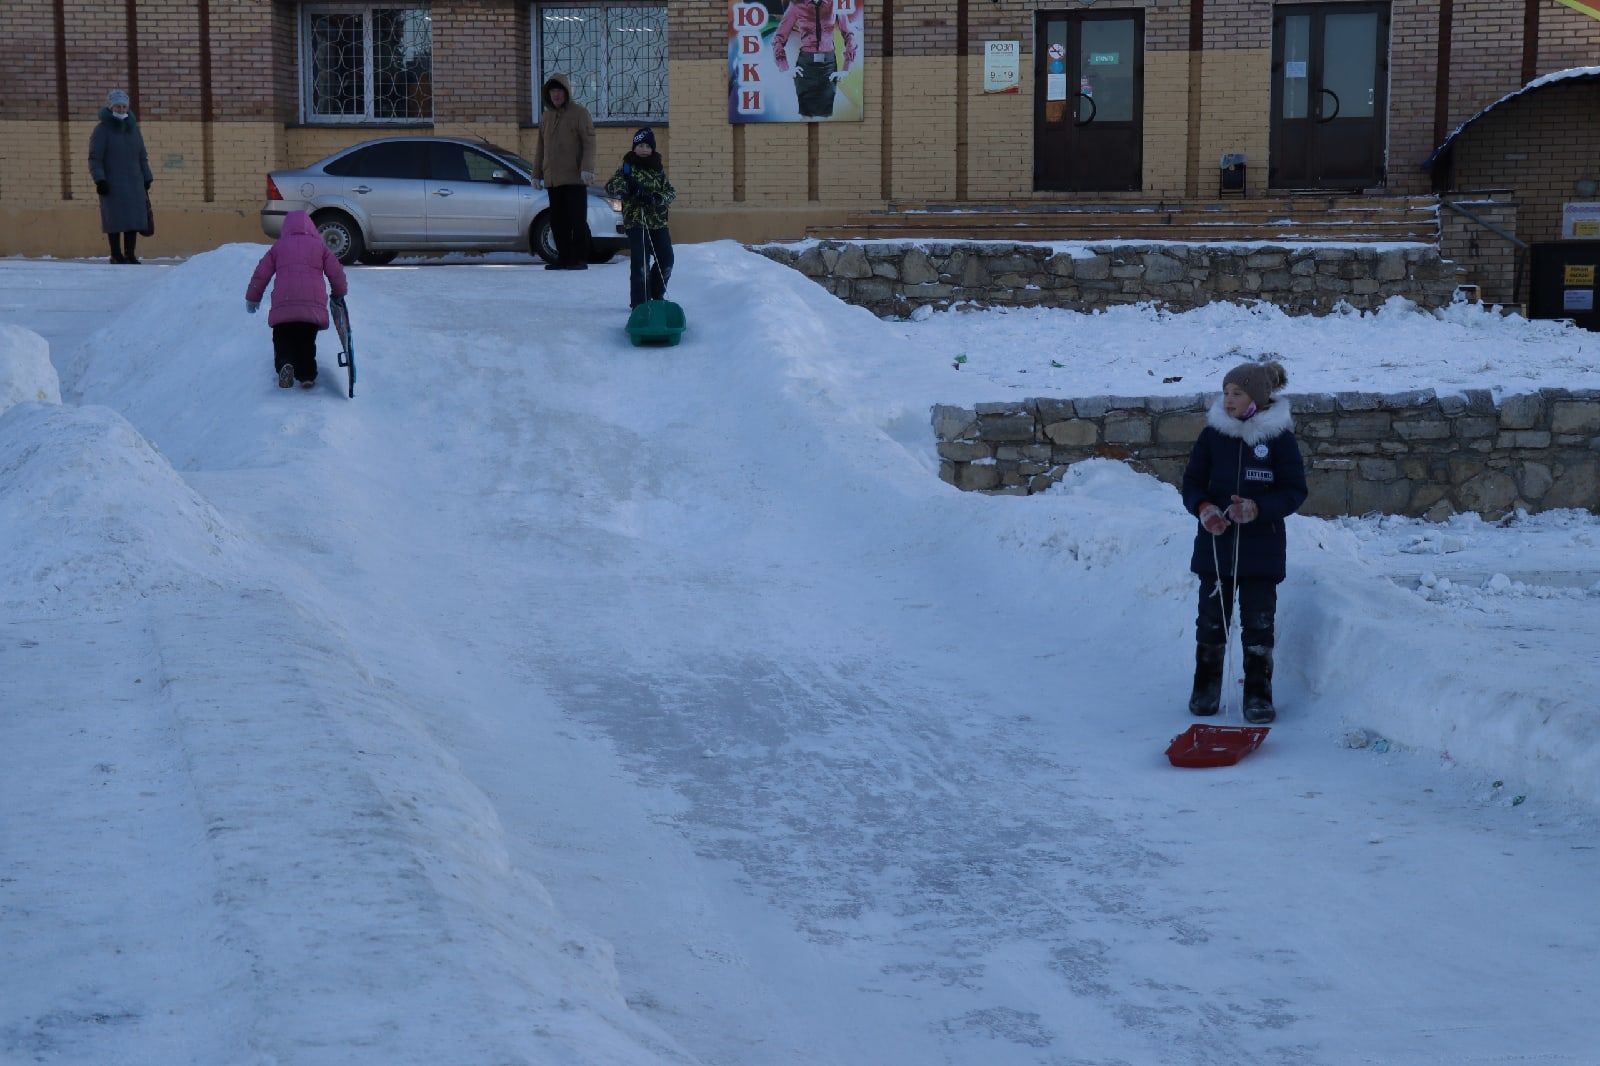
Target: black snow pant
122, 246
1258, 609
660, 248
295, 343
813, 85
569, 224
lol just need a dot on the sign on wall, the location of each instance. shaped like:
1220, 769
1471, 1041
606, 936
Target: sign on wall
796, 61
1580, 221
1002, 66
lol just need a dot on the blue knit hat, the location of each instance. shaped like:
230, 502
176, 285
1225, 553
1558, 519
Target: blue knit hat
115, 97
645, 135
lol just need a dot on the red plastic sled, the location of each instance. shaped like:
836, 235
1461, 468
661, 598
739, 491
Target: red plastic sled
1215, 745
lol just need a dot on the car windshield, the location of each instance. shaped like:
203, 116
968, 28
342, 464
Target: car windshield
509, 156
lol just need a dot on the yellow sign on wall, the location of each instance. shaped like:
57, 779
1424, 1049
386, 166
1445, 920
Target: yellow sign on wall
1575, 276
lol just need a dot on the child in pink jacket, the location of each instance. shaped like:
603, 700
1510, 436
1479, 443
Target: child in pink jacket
300, 261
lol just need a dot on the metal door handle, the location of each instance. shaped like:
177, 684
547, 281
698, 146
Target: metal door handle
1094, 109
441, 192
1335, 114
362, 188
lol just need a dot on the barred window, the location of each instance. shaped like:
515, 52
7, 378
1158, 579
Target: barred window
366, 63
614, 55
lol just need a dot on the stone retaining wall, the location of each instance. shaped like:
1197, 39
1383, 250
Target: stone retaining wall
897, 277
1413, 453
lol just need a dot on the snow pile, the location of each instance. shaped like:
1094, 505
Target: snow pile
1143, 350
90, 510
25, 370
226, 817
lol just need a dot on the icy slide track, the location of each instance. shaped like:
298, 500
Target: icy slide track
558, 702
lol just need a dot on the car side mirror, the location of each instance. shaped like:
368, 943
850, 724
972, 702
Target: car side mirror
502, 177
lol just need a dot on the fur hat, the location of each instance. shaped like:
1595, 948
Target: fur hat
645, 135
1258, 380
115, 97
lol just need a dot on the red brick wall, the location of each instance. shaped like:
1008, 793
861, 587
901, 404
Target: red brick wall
1538, 144
28, 75
476, 58
97, 55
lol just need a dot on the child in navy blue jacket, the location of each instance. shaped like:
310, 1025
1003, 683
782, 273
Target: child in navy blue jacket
1245, 476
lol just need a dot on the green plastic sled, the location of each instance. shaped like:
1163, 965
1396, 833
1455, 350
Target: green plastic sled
658, 322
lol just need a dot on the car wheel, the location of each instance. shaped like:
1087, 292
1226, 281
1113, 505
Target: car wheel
378, 259
542, 240
342, 236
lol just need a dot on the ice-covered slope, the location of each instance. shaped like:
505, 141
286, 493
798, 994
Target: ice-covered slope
846, 766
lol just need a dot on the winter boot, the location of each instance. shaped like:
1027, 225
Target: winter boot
1207, 695
286, 376
1258, 709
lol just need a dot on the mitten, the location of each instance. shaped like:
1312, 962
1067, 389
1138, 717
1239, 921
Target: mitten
588, 177
147, 185
1242, 510
1212, 519
252, 306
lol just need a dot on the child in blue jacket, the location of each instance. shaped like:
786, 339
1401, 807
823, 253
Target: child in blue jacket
1245, 476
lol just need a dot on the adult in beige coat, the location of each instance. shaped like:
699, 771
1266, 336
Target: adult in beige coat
564, 165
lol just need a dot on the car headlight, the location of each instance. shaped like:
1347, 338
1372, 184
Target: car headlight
616, 205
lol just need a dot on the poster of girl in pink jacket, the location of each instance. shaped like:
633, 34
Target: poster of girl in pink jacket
796, 61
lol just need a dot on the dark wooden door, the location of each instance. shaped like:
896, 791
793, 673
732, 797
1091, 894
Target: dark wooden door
1089, 101
1330, 81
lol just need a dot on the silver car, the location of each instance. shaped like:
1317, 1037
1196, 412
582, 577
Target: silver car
379, 198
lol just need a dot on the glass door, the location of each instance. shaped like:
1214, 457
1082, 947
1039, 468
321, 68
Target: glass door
1330, 82
1089, 101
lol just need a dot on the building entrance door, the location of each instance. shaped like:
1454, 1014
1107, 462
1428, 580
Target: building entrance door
1088, 125
1330, 90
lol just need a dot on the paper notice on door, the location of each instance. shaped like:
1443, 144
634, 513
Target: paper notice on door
1294, 68
1577, 299
1578, 275
1055, 87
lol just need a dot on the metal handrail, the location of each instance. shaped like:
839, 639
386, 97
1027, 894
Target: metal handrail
1516, 242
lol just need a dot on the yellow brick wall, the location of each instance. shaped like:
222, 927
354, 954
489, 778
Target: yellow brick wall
701, 164
1235, 116
923, 161
30, 166
999, 136
1166, 122
849, 158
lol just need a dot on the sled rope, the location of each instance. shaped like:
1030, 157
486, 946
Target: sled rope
1216, 565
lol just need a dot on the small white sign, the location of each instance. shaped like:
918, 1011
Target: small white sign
1294, 68
1577, 299
1580, 221
1002, 72
1055, 87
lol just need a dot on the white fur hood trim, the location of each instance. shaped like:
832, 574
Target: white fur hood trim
1261, 426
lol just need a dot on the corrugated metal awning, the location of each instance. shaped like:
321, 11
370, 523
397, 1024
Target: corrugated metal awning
1543, 81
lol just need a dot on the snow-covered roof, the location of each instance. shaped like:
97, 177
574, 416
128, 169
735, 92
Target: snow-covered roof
1570, 74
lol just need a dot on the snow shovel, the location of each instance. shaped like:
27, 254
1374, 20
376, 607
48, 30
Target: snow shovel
655, 322
341, 324
1215, 745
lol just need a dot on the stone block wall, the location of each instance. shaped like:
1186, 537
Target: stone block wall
897, 277
1412, 453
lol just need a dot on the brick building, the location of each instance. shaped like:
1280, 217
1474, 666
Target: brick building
1139, 100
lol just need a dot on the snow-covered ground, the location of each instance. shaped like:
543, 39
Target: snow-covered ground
556, 701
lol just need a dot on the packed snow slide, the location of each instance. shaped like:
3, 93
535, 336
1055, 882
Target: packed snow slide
845, 766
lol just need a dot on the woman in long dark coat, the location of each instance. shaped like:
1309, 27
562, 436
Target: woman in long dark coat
122, 177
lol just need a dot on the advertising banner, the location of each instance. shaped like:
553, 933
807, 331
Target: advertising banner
796, 61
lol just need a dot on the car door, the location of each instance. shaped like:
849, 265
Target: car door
473, 199
385, 181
